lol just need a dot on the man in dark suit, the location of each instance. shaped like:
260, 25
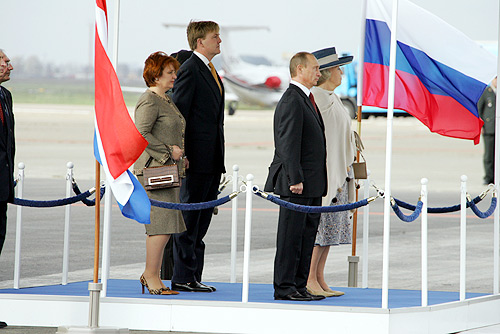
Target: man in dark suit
298, 175
7, 149
486, 106
199, 95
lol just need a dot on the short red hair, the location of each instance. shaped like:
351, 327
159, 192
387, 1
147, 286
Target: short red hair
154, 66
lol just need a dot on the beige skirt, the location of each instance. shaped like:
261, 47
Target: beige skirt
164, 221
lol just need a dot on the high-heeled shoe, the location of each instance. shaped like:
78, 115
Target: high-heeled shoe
160, 291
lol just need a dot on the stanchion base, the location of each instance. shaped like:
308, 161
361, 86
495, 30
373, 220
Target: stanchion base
352, 281
89, 330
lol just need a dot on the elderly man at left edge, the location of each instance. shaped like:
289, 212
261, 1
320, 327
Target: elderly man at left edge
7, 148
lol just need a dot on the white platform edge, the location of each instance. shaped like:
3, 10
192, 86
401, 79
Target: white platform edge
249, 318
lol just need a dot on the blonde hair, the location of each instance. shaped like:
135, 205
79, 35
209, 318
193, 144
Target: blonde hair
199, 29
325, 75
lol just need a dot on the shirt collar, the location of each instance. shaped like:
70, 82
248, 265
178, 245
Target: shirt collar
301, 86
202, 57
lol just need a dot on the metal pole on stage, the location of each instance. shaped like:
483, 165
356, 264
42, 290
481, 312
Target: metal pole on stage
19, 221
234, 225
496, 218
463, 235
353, 260
388, 159
424, 229
108, 195
95, 287
248, 233
69, 181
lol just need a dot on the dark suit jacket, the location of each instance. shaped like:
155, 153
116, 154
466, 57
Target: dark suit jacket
7, 149
300, 147
198, 98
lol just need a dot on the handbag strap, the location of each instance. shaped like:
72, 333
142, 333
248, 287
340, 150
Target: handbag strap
151, 159
148, 162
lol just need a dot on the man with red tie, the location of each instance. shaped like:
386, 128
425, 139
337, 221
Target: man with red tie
298, 175
7, 149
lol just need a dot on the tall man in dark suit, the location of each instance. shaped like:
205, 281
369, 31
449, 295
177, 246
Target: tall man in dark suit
7, 149
199, 95
298, 175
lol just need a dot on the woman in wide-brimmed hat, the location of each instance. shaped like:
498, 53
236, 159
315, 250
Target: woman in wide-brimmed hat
334, 227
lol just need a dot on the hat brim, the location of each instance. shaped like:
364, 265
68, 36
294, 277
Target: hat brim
341, 61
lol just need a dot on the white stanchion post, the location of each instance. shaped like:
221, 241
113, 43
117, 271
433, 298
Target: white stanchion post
248, 233
19, 219
106, 238
366, 231
463, 235
67, 214
424, 199
234, 224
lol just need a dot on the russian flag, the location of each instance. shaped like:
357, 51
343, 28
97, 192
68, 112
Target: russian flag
440, 72
117, 143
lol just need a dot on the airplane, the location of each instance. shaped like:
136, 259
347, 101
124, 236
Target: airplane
253, 80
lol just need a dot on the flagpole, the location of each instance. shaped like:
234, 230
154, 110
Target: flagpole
496, 217
388, 158
97, 220
108, 195
353, 259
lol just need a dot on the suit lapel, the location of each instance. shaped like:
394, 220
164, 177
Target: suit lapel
308, 102
207, 75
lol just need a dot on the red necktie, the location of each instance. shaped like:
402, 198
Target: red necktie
311, 97
1, 114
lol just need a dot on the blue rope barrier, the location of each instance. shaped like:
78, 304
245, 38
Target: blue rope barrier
87, 202
194, 206
488, 212
53, 203
312, 209
447, 209
407, 218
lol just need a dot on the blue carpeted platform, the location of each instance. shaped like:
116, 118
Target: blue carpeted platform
261, 293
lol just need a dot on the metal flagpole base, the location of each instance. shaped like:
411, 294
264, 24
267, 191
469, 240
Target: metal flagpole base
352, 280
95, 290
88, 330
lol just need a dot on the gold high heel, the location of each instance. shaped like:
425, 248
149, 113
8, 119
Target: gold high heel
160, 291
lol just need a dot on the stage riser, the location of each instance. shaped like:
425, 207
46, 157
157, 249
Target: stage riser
251, 318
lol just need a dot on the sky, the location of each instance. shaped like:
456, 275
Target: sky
62, 31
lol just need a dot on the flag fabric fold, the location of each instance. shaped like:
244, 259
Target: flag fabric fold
440, 72
117, 143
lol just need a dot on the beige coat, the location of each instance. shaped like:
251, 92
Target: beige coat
162, 125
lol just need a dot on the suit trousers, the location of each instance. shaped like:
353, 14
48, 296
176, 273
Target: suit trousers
489, 157
294, 246
3, 223
189, 248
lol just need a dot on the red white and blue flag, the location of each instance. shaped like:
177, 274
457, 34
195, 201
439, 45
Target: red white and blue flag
440, 72
117, 143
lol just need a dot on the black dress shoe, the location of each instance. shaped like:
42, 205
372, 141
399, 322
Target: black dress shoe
208, 286
191, 287
296, 296
313, 297
3, 324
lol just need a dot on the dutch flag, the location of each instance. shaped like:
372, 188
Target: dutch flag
117, 143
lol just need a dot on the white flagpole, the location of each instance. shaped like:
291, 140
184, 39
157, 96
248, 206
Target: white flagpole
108, 195
388, 158
496, 218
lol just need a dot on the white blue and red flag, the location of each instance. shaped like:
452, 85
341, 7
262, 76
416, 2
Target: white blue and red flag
117, 143
440, 72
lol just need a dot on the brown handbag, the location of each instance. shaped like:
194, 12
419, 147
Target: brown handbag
161, 177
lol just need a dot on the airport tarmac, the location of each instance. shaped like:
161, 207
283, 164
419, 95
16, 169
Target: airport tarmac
50, 136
